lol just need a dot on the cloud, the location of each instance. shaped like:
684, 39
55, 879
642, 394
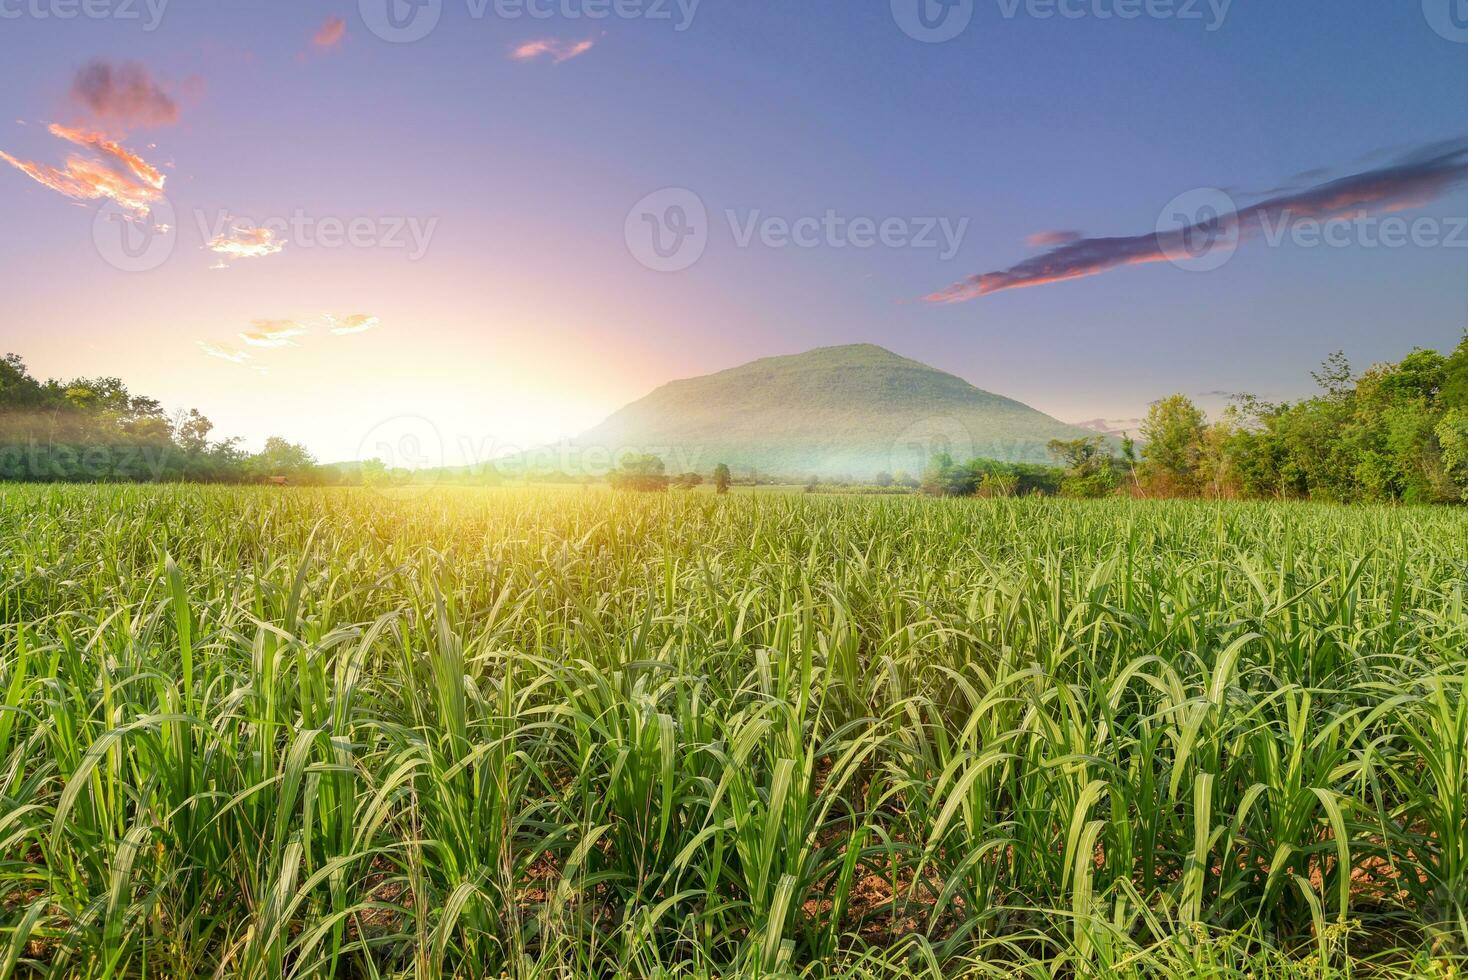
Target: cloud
1412, 181
330, 34
120, 175
273, 333
124, 95
224, 353
557, 50
1050, 239
356, 323
245, 243
120, 154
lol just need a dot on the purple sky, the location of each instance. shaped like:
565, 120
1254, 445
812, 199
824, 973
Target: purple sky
540, 209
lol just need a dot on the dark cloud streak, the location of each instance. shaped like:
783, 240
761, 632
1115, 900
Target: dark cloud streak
125, 95
1414, 180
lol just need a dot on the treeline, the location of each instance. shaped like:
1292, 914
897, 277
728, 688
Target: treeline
95, 430
1395, 433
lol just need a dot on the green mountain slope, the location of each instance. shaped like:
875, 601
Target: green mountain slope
856, 410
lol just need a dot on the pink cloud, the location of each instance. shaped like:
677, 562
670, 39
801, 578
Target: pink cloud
246, 243
1050, 239
120, 175
330, 34
556, 49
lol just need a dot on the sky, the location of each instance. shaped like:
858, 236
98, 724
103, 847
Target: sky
501, 220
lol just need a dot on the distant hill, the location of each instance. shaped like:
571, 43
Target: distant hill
857, 410
1113, 427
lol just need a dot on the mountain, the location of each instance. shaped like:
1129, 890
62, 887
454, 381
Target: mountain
857, 410
1112, 427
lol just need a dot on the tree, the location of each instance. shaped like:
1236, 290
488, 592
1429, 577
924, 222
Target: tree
1173, 432
1088, 465
689, 481
191, 432
283, 458
884, 479
721, 478
640, 472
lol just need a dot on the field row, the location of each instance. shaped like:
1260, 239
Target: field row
265, 733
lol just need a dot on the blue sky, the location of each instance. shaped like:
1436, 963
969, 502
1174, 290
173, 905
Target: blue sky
528, 314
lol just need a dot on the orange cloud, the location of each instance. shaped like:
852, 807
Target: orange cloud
129, 179
246, 243
330, 34
273, 333
135, 164
558, 50
356, 323
1050, 239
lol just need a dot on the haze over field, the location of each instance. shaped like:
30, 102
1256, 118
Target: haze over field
856, 410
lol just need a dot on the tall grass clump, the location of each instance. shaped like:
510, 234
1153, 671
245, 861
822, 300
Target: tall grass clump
571, 733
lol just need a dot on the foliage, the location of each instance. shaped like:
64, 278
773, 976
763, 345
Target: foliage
95, 430
947, 478
569, 733
642, 472
722, 478
1394, 433
1090, 469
